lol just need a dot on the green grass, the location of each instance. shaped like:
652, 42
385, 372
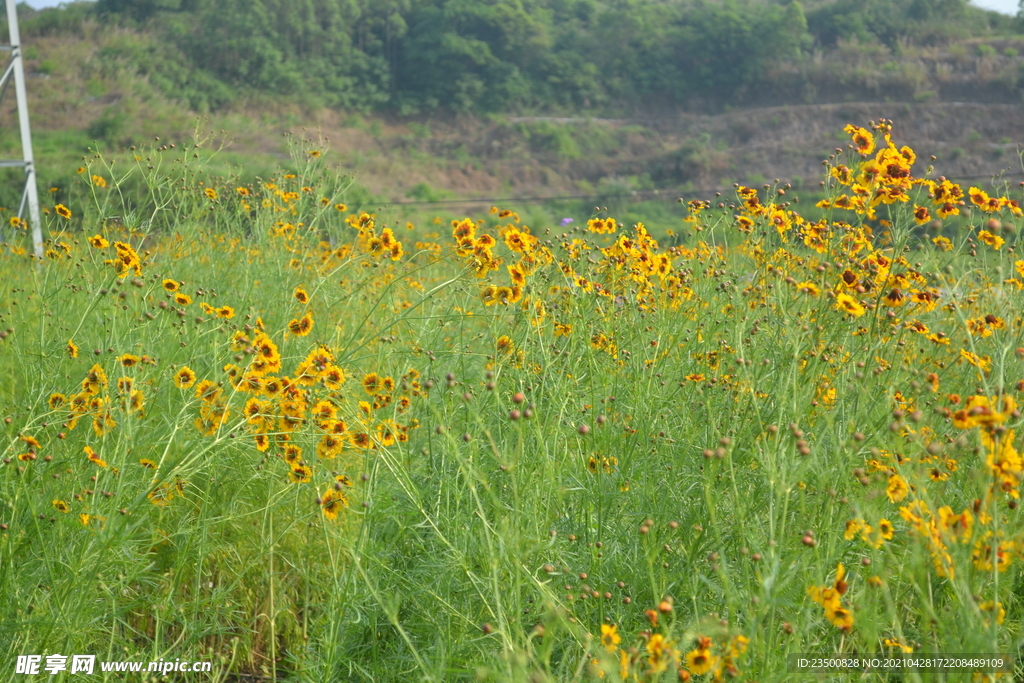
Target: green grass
682, 464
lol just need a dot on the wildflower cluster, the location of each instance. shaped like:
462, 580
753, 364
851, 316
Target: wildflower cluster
657, 651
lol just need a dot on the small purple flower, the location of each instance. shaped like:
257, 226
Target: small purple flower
567, 221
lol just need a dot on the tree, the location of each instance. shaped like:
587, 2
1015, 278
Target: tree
143, 9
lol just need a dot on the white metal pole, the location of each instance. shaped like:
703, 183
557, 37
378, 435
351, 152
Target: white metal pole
31, 191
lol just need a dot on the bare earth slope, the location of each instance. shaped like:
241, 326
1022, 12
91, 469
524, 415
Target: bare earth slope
545, 156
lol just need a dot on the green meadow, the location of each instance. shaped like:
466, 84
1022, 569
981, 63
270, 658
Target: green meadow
248, 424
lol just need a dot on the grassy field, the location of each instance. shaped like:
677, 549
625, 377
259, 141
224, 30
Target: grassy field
247, 424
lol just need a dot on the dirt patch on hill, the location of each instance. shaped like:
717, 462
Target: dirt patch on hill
544, 156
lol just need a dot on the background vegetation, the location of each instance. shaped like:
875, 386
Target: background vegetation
597, 100
410, 56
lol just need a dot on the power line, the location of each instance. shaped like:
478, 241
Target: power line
671, 193
501, 200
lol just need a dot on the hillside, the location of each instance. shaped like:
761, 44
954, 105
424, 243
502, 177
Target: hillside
92, 82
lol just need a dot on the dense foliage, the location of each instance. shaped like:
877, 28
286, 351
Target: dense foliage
500, 55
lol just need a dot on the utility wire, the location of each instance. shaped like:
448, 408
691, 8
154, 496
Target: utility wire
670, 193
